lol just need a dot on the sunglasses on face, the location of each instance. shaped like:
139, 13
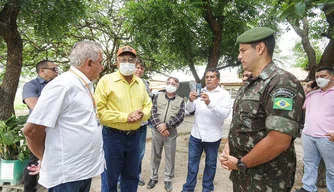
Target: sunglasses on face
54, 69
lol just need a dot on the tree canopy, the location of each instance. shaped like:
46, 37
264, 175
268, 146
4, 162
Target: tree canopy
182, 34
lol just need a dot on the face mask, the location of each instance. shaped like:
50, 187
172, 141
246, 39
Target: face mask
322, 82
170, 89
127, 69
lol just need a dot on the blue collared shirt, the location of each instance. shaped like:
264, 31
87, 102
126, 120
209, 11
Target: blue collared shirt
33, 88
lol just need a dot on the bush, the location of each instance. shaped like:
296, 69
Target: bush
12, 141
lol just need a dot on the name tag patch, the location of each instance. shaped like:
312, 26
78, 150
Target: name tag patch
283, 103
283, 92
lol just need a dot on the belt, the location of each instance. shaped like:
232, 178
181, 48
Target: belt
131, 132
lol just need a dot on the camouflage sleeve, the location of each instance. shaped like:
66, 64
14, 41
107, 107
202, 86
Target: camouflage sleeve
285, 98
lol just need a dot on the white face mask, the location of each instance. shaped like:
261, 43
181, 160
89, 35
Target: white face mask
127, 69
170, 89
322, 82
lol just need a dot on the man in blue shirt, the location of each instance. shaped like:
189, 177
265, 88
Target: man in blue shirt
46, 71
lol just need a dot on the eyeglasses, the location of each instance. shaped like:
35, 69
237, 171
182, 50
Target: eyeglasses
54, 69
127, 60
173, 84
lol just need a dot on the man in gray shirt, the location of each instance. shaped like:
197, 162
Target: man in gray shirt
46, 71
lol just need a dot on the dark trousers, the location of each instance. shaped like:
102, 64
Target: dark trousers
142, 144
122, 158
30, 181
75, 186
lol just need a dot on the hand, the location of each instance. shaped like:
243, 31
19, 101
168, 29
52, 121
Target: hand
34, 169
162, 127
229, 161
165, 133
192, 96
330, 136
222, 160
135, 116
307, 87
205, 98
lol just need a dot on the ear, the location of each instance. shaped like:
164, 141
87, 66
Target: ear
261, 47
88, 63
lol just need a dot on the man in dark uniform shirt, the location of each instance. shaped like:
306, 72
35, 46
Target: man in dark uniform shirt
266, 119
46, 71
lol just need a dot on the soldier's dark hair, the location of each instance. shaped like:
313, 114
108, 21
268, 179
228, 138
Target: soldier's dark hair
214, 70
175, 79
269, 42
329, 69
42, 64
140, 61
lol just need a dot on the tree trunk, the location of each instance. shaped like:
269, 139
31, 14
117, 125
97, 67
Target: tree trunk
9, 32
193, 71
216, 26
303, 34
327, 58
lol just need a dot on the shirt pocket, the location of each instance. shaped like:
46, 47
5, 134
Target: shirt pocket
248, 112
161, 108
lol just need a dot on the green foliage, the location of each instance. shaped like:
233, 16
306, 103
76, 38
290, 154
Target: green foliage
174, 34
302, 60
52, 18
300, 8
11, 137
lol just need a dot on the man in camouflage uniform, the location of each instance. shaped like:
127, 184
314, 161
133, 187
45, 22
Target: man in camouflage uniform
266, 120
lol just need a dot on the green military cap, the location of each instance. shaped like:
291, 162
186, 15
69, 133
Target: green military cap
255, 34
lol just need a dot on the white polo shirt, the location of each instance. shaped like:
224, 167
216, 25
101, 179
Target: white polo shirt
209, 119
73, 144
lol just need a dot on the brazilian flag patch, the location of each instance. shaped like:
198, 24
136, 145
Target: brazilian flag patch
283, 103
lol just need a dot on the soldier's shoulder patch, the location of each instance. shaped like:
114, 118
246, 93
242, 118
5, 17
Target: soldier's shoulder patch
283, 103
284, 92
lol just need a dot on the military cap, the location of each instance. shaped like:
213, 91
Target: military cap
255, 34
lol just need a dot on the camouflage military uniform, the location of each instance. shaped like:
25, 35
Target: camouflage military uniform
272, 101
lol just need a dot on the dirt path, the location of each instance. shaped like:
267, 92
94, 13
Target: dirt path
222, 182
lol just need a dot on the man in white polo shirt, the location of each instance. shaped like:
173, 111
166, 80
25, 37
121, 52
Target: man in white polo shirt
63, 130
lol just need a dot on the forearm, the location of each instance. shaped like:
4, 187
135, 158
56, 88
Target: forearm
223, 108
220, 111
267, 149
109, 116
176, 121
154, 120
35, 136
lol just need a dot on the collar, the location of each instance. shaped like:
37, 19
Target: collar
320, 91
217, 89
120, 77
170, 98
83, 76
267, 71
41, 80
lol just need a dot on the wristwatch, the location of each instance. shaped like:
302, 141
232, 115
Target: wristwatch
241, 166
